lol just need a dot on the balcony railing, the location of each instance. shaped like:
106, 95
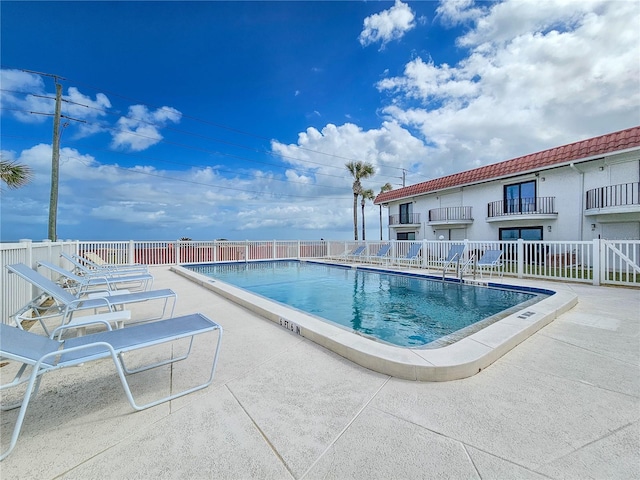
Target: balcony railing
614, 196
522, 206
404, 219
450, 214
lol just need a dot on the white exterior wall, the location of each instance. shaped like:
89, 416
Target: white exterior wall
617, 170
568, 184
565, 184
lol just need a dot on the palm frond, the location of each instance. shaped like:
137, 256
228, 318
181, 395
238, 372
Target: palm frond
14, 174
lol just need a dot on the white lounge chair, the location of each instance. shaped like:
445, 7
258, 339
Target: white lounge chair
83, 283
382, 255
44, 355
66, 304
92, 263
356, 253
490, 260
413, 255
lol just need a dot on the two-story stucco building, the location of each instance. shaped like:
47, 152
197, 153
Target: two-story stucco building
581, 191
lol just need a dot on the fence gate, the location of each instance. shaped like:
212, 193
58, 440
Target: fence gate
620, 262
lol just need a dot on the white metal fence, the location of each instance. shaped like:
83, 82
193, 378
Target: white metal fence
596, 262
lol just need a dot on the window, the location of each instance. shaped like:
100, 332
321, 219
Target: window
406, 236
533, 254
520, 197
406, 211
525, 233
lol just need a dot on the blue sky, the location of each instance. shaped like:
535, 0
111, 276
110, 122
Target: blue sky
235, 119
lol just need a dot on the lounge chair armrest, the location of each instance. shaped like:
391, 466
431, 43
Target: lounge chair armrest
106, 319
98, 293
59, 330
98, 299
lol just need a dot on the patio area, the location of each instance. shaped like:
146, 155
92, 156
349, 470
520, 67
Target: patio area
563, 404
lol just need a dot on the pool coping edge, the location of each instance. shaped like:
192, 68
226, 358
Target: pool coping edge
462, 359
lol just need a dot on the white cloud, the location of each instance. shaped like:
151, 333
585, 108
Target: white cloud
22, 94
140, 129
387, 25
314, 201
535, 76
390, 149
455, 12
143, 202
83, 107
298, 217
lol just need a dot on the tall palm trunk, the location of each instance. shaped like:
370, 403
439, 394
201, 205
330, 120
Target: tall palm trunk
355, 216
358, 170
365, 195
363, 230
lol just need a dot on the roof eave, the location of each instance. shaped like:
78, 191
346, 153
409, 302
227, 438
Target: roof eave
515, 174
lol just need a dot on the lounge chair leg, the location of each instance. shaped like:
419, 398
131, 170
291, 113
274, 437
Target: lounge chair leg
32, 387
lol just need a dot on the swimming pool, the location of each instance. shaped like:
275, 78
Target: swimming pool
402, 310
448, 361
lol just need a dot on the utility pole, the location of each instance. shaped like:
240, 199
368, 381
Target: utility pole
55, 149
55, 166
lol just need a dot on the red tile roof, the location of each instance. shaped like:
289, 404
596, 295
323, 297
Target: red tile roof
584, 149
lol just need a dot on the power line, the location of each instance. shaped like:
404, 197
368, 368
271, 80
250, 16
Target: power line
193, 182
205, 137
207, 122
226, 142
70, 157
204, 150
217, 169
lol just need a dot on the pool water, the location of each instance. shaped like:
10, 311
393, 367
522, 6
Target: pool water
403, 310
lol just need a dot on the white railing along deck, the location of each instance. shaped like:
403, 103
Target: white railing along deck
596, 262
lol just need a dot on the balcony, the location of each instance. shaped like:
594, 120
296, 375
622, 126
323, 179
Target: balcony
539, 208
404, 220
614, 199
450, 216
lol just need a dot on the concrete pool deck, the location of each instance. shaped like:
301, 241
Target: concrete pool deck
565, 403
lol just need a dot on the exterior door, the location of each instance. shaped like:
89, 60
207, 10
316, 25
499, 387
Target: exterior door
520, 197
406, 211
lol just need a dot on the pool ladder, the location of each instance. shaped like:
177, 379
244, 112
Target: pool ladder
461, 269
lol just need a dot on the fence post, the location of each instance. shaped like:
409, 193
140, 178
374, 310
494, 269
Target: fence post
273, 250
520, 257
132, 252
177, 252
424, 253
28, 251
48, 243
596, 255
298, 249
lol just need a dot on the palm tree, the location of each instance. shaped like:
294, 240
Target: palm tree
365, 195
14, 174
385, 188
358, 170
